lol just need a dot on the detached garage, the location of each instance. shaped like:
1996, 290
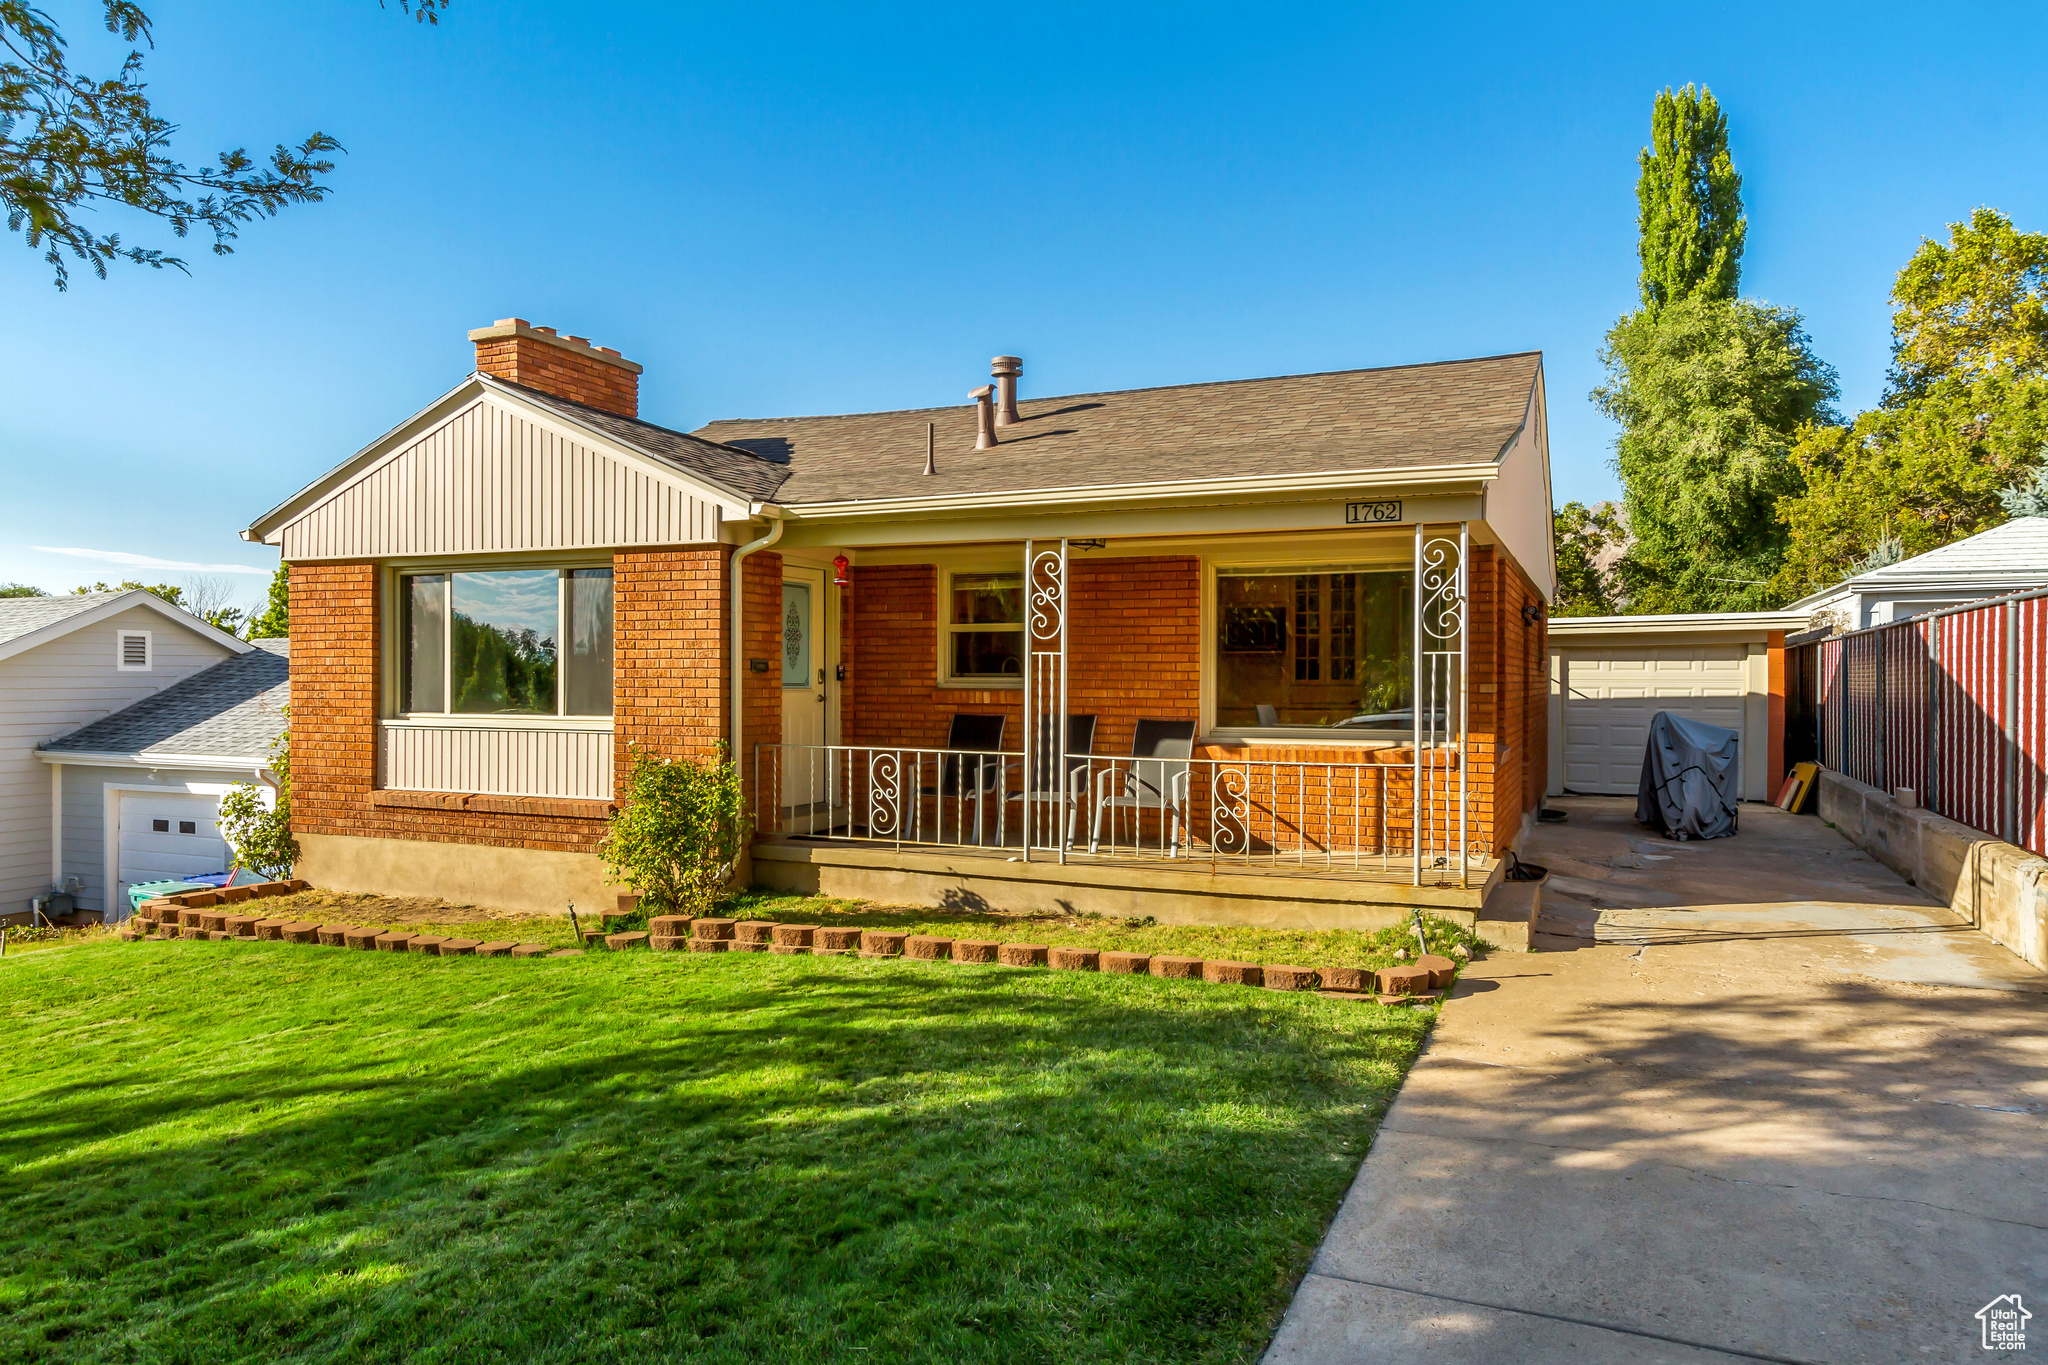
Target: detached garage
1610, 674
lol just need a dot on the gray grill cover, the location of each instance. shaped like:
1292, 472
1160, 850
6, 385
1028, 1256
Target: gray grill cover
1689, 773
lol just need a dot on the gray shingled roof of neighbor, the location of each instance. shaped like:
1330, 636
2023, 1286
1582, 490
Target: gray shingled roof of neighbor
233, 710
21, 616
1461, 412
739, 471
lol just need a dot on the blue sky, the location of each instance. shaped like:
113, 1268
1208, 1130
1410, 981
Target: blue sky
787, 210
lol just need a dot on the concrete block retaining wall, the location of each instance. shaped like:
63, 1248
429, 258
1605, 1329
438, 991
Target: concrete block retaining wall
2000, 888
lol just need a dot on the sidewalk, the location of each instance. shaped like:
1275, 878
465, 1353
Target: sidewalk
1796, 1113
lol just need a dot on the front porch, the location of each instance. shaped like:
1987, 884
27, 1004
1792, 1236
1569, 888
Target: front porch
1214, 730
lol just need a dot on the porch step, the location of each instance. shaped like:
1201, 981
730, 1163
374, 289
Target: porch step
1509, 915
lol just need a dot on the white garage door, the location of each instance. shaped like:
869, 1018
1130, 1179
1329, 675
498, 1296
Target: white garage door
1610, 695
169, 836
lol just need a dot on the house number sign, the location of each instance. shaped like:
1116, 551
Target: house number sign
1369, 513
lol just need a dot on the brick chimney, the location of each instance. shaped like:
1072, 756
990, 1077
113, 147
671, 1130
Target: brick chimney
567, 367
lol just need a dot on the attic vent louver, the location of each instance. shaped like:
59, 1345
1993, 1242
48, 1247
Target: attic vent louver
133, 653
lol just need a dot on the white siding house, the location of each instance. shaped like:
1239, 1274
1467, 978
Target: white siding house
66, 662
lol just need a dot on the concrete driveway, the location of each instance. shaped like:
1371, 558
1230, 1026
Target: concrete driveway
1752, 1099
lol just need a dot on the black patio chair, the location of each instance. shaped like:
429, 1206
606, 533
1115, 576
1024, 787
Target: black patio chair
962, 773
1046, 785
1154, 777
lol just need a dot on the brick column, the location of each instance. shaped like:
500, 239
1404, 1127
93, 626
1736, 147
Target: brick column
670, 629
334, 696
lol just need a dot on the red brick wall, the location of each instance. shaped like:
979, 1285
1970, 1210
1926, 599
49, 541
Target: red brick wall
669, 633
1134, 652
582, 375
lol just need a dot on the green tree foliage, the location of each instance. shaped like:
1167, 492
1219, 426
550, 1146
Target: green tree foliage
20, 590
274, 622
260, 833
170, 593
1689, 202
1709, 389
1710, 395
71, 145
1963, 424
2030, 499
677, 838
1583, 535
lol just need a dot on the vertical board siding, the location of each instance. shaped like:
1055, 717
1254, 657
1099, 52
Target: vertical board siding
498, 762
1955, 706
488, 479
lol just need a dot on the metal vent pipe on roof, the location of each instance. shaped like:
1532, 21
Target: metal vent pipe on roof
984, 417
1006, 370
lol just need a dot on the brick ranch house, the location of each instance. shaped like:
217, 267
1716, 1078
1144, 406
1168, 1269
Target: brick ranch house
1222, 588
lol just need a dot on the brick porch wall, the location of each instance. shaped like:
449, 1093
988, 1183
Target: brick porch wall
1133, 653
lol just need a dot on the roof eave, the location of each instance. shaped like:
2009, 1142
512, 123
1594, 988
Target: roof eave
100, 758
1432, 477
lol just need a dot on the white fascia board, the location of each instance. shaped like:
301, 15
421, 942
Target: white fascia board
269, 528
1568, 626
193, 762
114, 606
1278, 487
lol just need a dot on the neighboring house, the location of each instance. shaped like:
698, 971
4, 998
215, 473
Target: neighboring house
2004, 559
64, 663
496, 602
138, 793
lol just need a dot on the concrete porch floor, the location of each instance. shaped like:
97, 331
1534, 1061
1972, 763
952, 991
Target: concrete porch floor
1759, 1099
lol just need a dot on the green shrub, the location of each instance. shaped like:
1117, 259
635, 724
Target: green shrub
262, 834
677, 839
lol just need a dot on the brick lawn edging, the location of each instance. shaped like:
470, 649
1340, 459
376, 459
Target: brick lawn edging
1419, 981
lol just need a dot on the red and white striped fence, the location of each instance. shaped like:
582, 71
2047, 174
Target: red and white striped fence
1953, 704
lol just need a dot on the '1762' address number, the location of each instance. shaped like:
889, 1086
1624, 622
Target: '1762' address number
1366, 513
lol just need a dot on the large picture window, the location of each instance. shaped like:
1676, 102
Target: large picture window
1314, 647
984, 627
506, 642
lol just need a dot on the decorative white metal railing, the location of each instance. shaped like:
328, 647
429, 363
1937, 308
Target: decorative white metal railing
1225, 812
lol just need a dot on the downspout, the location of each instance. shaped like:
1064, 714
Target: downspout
739, 557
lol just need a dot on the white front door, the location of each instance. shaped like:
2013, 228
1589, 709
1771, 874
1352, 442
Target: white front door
806, 664
1610, 694
166, 837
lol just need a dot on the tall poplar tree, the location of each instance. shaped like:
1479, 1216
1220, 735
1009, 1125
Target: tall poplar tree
1710, 389
1689, 202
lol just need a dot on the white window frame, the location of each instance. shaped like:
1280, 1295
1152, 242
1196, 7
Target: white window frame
395, 644
121, 639
947, 629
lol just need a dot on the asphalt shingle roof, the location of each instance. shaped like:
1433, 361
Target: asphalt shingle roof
21, 616
234, 709
1403, 417
744, 472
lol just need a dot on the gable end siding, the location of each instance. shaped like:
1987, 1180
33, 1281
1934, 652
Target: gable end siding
489, 480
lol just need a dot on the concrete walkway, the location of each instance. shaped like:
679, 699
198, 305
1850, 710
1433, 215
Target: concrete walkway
1752, 1099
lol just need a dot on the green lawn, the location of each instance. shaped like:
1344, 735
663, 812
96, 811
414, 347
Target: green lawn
270, 1152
